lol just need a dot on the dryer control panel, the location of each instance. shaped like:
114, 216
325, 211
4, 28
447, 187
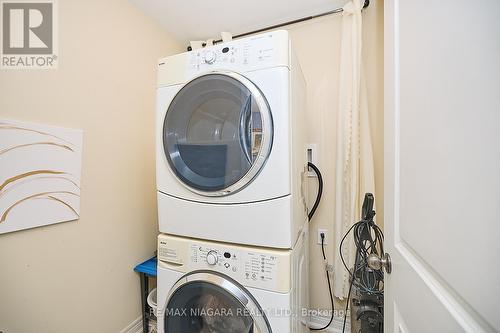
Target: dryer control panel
264, 50
256, 267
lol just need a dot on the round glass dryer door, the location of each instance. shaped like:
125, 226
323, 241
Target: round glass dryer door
203, 302
217, 133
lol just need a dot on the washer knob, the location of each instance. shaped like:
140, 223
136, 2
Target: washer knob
212, 257
210, 57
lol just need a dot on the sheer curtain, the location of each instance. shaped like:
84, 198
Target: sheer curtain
354, 161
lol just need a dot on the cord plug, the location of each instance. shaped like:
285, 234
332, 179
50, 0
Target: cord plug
322, 236
325, 260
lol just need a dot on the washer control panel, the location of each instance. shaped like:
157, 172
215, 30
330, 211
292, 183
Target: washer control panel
257, 267
251, 265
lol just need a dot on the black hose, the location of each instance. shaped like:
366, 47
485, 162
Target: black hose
320, 190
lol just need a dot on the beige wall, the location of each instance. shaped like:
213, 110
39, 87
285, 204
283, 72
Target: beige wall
77, 276
317, 44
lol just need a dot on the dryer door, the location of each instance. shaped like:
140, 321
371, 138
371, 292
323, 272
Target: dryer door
206, 301
217, 133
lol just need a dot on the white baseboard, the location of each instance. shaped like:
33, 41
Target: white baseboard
136, 326
335, 326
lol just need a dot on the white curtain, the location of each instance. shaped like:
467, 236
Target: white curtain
354, 161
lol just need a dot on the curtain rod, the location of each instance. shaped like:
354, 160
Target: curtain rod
334, 11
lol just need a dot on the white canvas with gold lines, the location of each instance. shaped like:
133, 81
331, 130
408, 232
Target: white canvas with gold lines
40, 171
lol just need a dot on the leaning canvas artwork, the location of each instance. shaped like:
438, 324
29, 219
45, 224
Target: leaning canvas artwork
40, 171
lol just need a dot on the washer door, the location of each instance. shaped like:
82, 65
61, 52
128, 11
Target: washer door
205, 301
217, 133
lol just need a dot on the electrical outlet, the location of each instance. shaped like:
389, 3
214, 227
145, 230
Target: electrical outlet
311, 156
322, 231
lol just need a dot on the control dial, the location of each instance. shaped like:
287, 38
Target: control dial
210, 57
212, 257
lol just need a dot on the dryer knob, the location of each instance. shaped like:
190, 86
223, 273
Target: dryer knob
210, 57
212, 258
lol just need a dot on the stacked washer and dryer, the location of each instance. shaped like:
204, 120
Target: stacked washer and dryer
231, 181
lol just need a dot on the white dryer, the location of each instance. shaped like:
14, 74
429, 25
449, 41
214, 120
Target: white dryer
206, 286
231, 142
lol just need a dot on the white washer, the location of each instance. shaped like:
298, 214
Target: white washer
206, 286
231, 142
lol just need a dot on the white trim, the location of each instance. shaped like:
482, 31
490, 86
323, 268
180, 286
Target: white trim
391, 184
463, 313
335, 326
136, 326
